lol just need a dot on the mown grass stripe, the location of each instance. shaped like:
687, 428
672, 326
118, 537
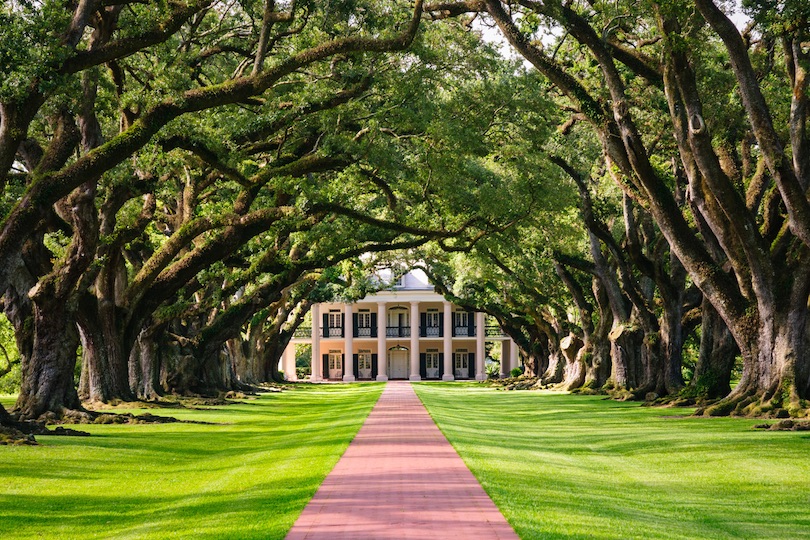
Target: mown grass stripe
564, 466
248, 477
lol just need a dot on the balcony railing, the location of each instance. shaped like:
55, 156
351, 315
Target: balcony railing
398, 331
363, 331
432, 331
463, 331
303, 332
494, 331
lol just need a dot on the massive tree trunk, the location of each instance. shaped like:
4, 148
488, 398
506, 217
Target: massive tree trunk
556, 362
535, 351
272, 355
572, 374
775, 357
595, 353
626, 347
243, 354
105, 363
213, 372
716, 356
145, 367
670, 377
47, 374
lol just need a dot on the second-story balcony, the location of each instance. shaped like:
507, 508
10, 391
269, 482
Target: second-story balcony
398, 331
431, 331
464, 331
333, 332
364, 331
494, 330
303, 332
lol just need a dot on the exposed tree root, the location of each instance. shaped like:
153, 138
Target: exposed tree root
675, 400
786, 425
22, 432
516, 383
752, 404
13, 436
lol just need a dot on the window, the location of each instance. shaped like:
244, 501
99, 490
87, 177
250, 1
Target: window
364, 323
460, 323
335, 323
461, 318
432, 318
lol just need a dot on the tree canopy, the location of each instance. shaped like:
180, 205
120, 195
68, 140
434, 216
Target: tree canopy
180, 177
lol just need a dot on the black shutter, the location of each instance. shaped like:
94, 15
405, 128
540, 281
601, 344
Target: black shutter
342, 325
423, 324
356, 364
470, 323
471, 365
354, 324
373, 325
441, 364
441, 324
325, 366
325, 329
423, 365
373, 366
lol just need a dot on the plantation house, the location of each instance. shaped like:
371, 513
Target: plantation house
407, 332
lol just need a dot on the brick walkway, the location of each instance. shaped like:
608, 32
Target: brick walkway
400, 479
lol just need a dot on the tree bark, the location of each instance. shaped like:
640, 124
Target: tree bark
144, 367
572, 374
47, 374
105, 366
557, 361
775, 358
712, 377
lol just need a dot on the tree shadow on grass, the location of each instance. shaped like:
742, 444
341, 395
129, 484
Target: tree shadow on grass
261, 511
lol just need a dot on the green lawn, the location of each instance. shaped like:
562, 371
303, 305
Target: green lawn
248, 477
563, 466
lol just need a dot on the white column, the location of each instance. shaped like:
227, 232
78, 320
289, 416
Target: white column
348, 345
288, 362
317, 362
505, 352
382, 350
448, 343
514, 358
480, 332
415, 376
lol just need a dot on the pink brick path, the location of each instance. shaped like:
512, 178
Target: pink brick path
400, 479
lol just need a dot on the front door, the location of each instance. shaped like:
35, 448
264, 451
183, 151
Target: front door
335, 365
461, 365
432, 365
398, 360
364, 365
